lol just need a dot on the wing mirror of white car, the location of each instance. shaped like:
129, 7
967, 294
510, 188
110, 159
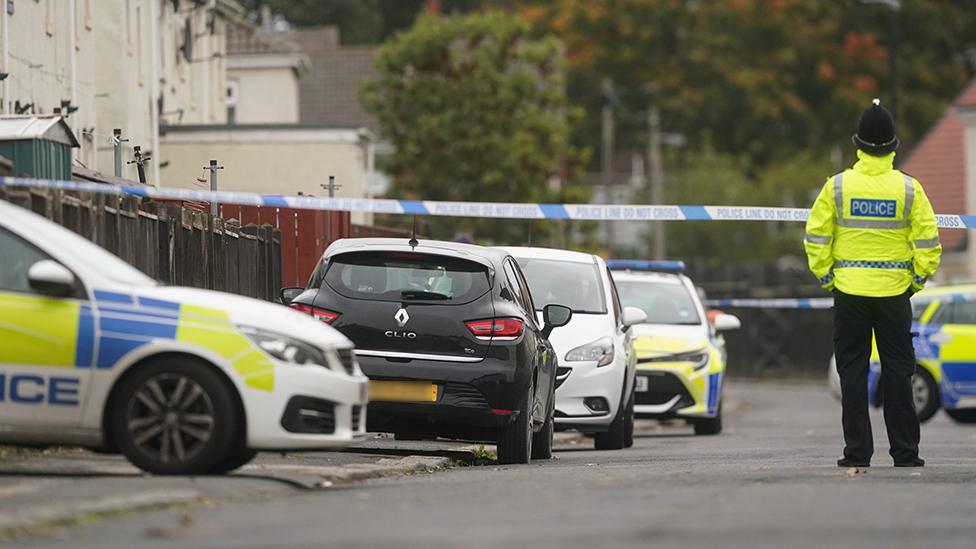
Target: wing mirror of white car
554, 316
633, 315
724, 322
48, 277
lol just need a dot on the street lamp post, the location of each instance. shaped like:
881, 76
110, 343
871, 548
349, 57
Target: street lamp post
895, 9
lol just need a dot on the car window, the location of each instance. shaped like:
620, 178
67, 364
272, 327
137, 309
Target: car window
524, 289
615, 298
665, 300
18, 257
574, 285
516, 289
407, 276
962, 312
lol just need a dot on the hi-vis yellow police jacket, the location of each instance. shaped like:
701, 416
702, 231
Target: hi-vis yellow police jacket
872, 231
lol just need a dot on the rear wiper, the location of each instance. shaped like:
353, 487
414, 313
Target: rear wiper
421, 294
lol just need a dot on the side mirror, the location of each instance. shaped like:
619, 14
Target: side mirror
48, 277
554, 316
289, 294
632, 316
724, 322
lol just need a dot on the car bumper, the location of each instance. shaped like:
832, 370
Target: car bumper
676, 389
473, 398
586, 381
309, 408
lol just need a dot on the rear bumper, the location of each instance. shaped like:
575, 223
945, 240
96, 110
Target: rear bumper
473, 398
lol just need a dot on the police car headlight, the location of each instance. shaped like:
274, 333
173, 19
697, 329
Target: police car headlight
600, 350
698, 359
286, 349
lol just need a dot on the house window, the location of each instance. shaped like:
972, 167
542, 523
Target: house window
233, 90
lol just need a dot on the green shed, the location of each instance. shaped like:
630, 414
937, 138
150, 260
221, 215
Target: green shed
38, 146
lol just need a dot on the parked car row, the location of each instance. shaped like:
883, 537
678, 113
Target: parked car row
446, 340
506, 345
944, 330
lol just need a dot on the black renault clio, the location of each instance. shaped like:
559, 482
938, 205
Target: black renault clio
446, 334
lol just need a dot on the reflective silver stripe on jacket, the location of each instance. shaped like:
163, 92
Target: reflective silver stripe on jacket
927, 243
817, 239
844, 221
846, 264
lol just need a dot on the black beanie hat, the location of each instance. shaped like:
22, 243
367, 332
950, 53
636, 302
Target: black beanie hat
876, 131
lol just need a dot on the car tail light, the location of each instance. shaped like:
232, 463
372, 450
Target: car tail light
321, 314
496, 327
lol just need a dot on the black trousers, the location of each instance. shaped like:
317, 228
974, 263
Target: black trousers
890, 318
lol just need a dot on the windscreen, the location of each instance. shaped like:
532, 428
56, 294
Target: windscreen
574, 285
665, 300
407, 276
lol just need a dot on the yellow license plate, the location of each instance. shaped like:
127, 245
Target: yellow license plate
410, 391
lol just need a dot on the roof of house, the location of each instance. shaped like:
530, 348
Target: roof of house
938, 162
245, 38
329, 90
52, 127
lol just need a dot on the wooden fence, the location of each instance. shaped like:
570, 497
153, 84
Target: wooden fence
168, 242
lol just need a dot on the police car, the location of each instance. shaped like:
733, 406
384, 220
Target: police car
944, 321
182, 381
680, 359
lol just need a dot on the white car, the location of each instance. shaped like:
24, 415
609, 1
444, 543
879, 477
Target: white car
595, 377
182, 381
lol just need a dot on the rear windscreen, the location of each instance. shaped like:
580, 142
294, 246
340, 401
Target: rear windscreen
406, 276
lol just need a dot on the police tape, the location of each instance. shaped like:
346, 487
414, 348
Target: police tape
774, 303
499, 210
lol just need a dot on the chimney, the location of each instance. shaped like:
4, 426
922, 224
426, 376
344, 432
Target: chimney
433, 6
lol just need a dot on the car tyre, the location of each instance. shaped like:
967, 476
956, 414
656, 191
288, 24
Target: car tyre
614, 438
176, 416
515, 439
925, 393
962, 415
709, 425
542, 440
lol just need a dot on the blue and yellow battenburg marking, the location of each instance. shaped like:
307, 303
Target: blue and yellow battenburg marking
40, 331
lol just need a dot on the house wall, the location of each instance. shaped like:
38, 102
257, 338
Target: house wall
968, 117
265, 95
47, 47
273, 161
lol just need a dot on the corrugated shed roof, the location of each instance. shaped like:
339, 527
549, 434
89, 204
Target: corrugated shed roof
939, 163
49, 128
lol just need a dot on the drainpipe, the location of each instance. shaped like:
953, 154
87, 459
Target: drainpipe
6, 59
154, 62
73, 60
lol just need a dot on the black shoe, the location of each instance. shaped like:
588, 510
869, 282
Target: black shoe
917, 462
844, 462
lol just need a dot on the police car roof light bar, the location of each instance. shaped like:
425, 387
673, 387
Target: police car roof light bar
664, 266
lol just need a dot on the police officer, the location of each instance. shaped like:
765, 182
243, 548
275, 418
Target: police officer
872, 240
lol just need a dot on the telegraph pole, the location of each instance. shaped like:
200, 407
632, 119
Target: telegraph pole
655, 175
606, 153
213, 167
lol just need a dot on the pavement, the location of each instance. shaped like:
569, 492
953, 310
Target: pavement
769, 480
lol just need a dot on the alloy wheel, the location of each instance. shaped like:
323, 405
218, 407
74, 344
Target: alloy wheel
920, 392
170, 417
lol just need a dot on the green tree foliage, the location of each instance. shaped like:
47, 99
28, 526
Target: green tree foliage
477, 110
761, 78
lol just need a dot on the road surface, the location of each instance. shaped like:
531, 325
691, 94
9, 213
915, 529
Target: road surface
769, 480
